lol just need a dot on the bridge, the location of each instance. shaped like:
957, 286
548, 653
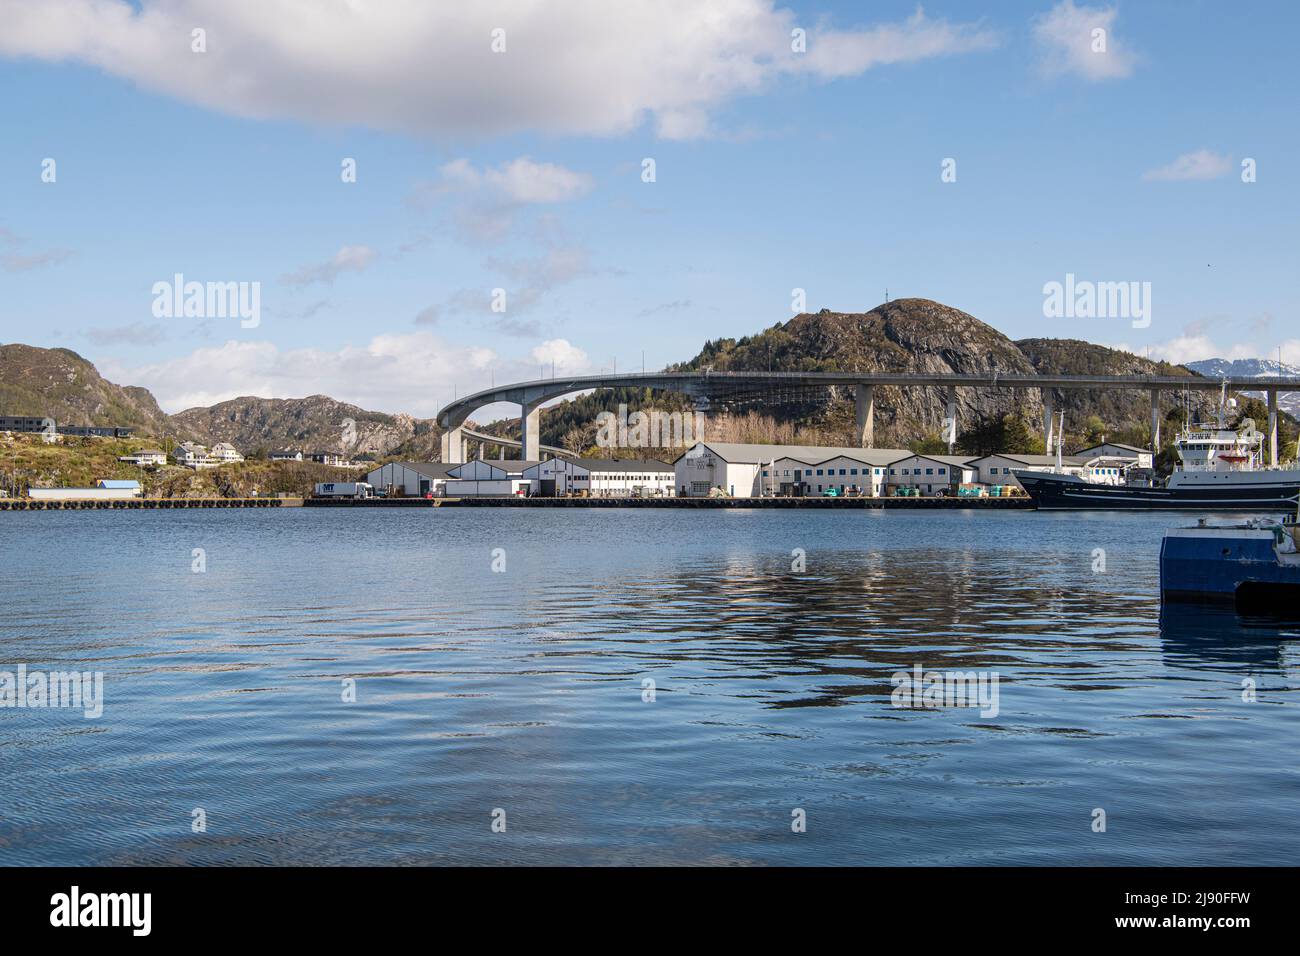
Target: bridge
726, 389
483, 438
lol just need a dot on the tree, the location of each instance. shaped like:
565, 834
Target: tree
931, 444
1007, 434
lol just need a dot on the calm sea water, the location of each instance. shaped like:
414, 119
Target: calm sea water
522, 691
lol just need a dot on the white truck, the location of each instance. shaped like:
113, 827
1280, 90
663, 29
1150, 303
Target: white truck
344, 489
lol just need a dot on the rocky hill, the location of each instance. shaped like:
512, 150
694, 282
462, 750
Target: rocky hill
315, 423
60, 384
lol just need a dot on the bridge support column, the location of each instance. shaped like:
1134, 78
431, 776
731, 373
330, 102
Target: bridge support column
950, 419
1272, 427
453, 447
530, 421
1155, 421
866, 403
1049, 420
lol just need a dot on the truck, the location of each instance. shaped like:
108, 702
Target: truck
344, 489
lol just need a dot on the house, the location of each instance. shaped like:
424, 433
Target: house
333, 459
601, 477
286, 454
410, 479
745, 470
932, 474
1140, 457
224, 453
192, 455
145, 458
488, 477
998, 469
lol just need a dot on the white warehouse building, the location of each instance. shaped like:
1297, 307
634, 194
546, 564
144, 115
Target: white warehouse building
745, 470
933, 474
410, 479
601, 477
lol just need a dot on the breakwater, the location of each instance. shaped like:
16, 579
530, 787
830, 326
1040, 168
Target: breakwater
135, 504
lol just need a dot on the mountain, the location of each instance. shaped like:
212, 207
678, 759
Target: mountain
314, 423
1255, 368
60, 384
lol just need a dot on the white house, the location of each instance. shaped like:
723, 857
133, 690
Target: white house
998, 469
601, 477
486, 477
192, 455
145, 458
1140, 457
410, 479
745, 470
224, 453
286, 454
932, 474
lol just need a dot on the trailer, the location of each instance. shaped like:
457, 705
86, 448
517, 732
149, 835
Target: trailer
344, 489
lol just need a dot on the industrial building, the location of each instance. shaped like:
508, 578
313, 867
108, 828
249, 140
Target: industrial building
746, 470
105, 489
1139, 457
492, 477
999, 469
601, 478
410, 479
933, 474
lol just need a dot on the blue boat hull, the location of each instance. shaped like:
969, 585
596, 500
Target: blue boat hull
1224, 570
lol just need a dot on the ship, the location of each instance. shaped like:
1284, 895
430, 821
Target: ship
1254, 565
1219, 469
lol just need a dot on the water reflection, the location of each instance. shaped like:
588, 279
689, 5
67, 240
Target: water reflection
1200, 636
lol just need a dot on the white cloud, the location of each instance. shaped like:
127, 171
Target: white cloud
1068, 42
413, 372
1193, 346
1201, 164
580, 67
518, 181
347, 259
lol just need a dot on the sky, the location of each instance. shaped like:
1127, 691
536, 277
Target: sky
432, 197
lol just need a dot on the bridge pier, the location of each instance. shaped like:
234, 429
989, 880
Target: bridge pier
530, 421
951, 418
1049, 419
865, 399
453, 447
1155, 421
1272, 427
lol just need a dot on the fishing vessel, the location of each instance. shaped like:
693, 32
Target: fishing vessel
1254, 565
1219, 469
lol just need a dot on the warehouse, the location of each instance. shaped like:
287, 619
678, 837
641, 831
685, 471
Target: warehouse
744, 470
1139, 457
932, 474
484, 477
410, 479
998, 469
104, 490
601, 477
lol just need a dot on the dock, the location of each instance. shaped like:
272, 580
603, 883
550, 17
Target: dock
977, 504
147, 504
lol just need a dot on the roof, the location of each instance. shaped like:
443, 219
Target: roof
1112, 444
956, 461
114, 483
808, 454
511, 466
430, 469
1032, 459
623, 464
148, 451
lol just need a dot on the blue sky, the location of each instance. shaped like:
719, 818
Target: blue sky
522, 170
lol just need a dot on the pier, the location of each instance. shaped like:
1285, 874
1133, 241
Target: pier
150, 504
1020, 502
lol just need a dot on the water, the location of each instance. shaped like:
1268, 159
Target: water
523, 691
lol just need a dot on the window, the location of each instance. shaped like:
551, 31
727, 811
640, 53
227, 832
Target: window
765, 475
853, 471
943, 471
819, 471
928, 471
842, 471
